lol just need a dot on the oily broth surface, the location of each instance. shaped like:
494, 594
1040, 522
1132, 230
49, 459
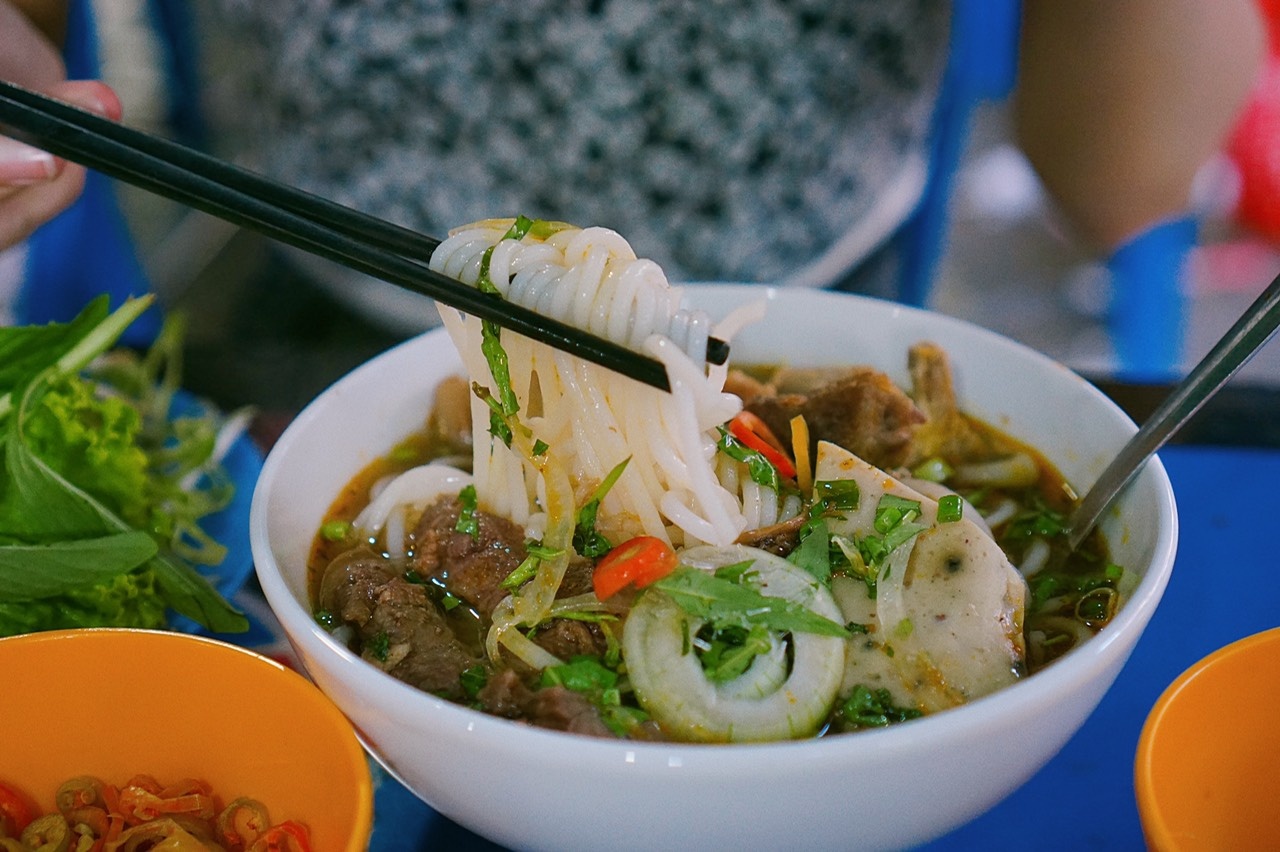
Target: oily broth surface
1051, 492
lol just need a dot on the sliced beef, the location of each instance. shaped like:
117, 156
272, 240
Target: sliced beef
400, 630
862, 411
577, 577
554, 707
562, 709
469, 567
947, 433
506, 694
567, 639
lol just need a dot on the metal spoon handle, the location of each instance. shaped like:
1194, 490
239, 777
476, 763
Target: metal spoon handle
1254, 328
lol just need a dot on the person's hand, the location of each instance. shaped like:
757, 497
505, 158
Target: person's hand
34, 185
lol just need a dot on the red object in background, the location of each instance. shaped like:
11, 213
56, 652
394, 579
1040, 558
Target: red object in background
1254, 144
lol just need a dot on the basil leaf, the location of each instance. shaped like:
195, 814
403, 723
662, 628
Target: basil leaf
706, 596
33, 571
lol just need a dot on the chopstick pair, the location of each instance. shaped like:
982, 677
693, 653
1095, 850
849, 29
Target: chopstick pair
314, 224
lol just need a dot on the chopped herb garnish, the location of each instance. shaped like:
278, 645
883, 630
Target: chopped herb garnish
326, 619
950, 508
536, 554
837, 495
726, 652
736, 572
622, 720
582, 674
1040, 520
867, 708
759, 468
450, 601
379, 647
892, 511
473, 680
540, 447
468, 523
491, 343
904, 628
587, 541
855, 627
335, 530
933, 470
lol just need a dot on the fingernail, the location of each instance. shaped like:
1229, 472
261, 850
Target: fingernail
21, 164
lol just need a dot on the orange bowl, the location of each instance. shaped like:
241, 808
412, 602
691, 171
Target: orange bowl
1207, 755
114, 703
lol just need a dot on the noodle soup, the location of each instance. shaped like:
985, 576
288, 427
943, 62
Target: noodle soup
762, 554
924, 777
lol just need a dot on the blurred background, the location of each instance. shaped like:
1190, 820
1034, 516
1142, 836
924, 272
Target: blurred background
265, 333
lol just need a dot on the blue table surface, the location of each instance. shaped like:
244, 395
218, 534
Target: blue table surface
1223, 588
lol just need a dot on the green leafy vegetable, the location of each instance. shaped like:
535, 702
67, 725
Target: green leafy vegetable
491, 343
730, 650
759, 468
468, 523
101, 491
1037, 520
473, 680
536, 554
587, 541
813, 554
867, 708
836, 495
950, 508
33, 571
727, 602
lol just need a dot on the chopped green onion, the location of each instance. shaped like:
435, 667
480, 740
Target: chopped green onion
893, 511
950, 508
837, 495
335, 530
933, 470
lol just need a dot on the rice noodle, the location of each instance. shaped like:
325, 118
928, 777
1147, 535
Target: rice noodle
589, 417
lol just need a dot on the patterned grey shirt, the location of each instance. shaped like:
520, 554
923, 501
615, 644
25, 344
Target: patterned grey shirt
726, 140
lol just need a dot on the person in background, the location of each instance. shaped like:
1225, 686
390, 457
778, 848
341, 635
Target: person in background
765, 141
36, 186
770, 141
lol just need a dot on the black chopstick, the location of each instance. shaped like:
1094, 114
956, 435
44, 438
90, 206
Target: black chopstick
314, 224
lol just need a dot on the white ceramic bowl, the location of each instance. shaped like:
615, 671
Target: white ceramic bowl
895, 787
